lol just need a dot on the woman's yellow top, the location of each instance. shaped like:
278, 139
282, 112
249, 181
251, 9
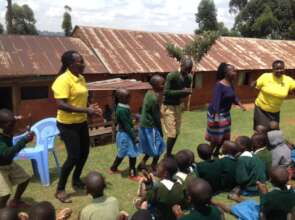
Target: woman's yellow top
74, 90
273, 91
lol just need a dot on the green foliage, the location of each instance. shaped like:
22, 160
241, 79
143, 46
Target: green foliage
67, 21
1, 29
267, 19
23, 20
196, 49
237, 5
206, 16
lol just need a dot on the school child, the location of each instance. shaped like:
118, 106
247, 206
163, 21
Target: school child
125, 139
200, 194
191, 156
249, 170
209, 169
276, 204
102, 207
163, 195
10, 172
228, 165
261, 151
280, 151
260, 129
150, 131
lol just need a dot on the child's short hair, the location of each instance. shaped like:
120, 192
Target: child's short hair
274, 125
8, 214
205, 151
42, 210
260, 129
191, 156
183, 161
244, 143
259, 140
142, 214
230, 148
200, 192
95, 183
169, 165
279, 176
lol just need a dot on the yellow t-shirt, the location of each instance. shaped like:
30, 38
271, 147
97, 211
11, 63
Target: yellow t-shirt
74, 90
273, 91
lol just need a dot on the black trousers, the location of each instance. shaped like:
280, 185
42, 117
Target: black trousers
76, 139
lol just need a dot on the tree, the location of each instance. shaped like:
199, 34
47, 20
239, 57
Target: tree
267, 19
67, 21
1, 29
23, 20
206, 16
9, 16
237, 5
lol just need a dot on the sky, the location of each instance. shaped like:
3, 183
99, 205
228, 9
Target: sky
176, 16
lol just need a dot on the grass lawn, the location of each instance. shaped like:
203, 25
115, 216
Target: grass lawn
100, 158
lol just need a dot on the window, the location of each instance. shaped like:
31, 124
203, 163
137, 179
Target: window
34, 92
198, 81
244, 79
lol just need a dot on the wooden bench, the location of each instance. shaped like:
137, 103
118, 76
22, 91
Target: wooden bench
98, 131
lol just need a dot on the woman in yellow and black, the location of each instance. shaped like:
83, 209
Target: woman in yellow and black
71, 94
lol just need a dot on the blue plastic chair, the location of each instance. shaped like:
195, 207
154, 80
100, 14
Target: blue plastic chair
45, 133
293, 155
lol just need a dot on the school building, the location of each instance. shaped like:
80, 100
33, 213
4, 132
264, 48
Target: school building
29, 64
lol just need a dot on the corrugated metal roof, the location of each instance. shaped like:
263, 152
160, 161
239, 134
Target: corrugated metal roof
248, 54
114, 84
125, 51
39, 55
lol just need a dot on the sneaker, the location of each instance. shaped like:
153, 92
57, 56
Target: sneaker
18, 204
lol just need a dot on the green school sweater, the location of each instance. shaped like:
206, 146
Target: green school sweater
276, 204
249, 170
228, 166
173, 89
150, 114
210, 171
124, 120
265, 155
207, 213
7, 150
163, 198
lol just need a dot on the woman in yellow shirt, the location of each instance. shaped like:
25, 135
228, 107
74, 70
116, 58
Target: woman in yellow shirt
71, 94
273, 89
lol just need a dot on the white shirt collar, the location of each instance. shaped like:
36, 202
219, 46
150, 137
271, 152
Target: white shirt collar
181, 175
123, 105
167, 183
246, 154
260, 149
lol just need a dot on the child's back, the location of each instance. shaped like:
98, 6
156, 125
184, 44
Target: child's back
210, 171
228, 166
249, 170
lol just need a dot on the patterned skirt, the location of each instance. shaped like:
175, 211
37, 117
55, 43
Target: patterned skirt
218, 128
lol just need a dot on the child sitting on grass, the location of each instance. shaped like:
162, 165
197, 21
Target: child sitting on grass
208, 169
10, 172
228, 165
101, 207
200, 194
261, 151
249, 170
125, 139
163, 195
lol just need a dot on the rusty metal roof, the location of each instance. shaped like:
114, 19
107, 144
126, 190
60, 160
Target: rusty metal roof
40, 55
125, 51
117, 83
248, 54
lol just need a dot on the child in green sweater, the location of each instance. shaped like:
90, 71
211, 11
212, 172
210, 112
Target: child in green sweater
209, 169
249, 170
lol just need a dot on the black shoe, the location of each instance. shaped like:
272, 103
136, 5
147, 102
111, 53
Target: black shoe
78, 184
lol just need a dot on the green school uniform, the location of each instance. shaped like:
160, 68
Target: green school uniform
210, 171
276, 204
124, 120
249, 170
208, 213
164, 196
265, 155
150, 114
228, 166
174, 85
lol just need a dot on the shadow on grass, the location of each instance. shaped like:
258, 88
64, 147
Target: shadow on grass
52, 174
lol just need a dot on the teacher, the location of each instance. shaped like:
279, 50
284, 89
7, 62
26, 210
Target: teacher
71, 94
273, 89
218, 116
